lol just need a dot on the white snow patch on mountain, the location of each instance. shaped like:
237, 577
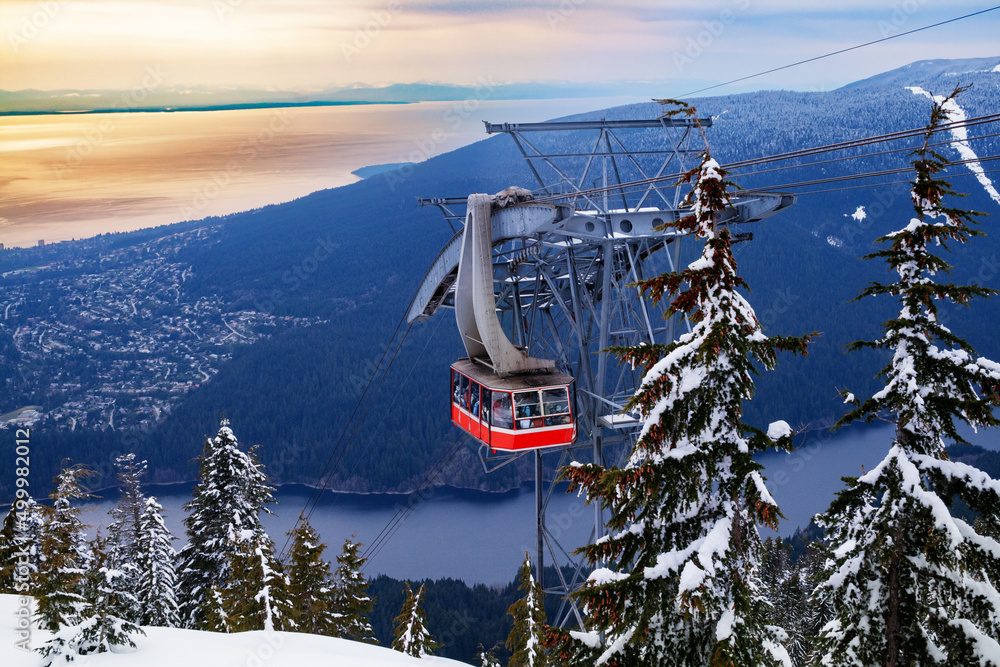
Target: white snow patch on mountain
997, 68
834, 241
961, 143
170, 647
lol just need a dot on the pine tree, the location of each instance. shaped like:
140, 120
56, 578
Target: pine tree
816, 613
214, 612
256, 595
231, 492
310, 589
102, 623
156, 579
123, 531
10, 546
409, 629
528, 632
19, 545
64, 556
351, 600
487, 658
788, 593
677, 581
909, 582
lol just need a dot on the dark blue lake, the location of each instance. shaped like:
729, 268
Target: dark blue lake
480, 537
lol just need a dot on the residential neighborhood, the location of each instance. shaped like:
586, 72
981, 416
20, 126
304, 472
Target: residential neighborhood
115, 343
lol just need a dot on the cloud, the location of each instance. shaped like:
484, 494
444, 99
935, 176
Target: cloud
302, 43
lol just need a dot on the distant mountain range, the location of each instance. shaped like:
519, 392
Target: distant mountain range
294, 392
152, 96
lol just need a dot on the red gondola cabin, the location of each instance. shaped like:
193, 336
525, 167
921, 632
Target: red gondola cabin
515, 413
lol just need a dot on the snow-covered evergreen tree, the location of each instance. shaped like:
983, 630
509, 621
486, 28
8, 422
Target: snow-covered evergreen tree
815, 613
214, 612
19, 536
677, 580
528, 632
910, 583
102, 620
10, 546
310, 589
64, 555
256, 594
409, 629
788, 592
231, 492
351, 600
487, 658
123, 531
156, 579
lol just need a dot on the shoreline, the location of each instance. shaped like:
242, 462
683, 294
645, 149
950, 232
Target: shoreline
285, 486
172, 109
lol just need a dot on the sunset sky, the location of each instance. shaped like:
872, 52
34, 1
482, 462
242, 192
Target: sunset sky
301, 44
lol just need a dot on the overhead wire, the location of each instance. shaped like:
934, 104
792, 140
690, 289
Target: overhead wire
397, 394
861, 156
838, 52
883, 184
338, 451
397, 520
641, 184
865, 141
871, 174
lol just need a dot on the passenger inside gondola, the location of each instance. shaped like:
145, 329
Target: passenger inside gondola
527, 409
502, 415
474, 399
462, 391
555, 403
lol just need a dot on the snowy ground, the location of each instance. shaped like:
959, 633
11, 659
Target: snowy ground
169, 647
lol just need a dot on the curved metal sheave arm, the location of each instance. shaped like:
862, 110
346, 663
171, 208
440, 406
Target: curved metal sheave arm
475, 307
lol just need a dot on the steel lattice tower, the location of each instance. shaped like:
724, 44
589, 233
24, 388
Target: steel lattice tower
564, 270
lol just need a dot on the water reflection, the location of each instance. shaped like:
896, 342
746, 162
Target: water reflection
73, 176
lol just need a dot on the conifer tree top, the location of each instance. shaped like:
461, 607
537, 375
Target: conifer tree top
931, 379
